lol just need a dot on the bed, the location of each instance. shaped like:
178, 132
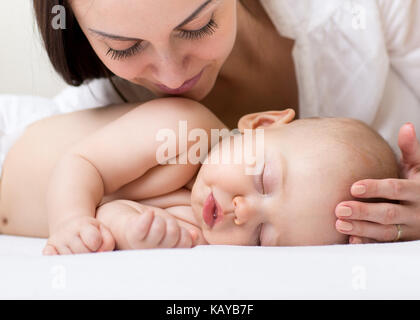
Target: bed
370, 271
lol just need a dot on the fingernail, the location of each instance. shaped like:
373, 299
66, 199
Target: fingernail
358, 189
345, 226
344, 211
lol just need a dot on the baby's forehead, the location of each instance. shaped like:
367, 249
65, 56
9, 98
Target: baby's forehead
335, 143
317, 130
329, 124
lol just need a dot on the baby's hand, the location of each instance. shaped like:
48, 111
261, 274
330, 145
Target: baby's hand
79, 235
152, 230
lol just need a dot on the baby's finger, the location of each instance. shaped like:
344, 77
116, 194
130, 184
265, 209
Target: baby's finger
194, 237
185, 239
137, 229
143, 223
108, 241
91, 237
49, 250
360, 240
77, 246
63, 250
156, 233
172, 233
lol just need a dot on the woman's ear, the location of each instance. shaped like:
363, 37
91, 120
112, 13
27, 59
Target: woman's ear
266, 119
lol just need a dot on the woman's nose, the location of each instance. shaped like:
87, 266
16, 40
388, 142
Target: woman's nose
242, 209
171, 68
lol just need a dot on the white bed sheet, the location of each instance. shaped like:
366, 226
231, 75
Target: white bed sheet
379, 271
374, 271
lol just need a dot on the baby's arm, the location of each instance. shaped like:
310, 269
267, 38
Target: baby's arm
112, 157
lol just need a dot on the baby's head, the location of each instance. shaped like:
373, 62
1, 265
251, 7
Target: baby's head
309, 167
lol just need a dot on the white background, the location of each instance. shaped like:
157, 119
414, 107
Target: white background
24, 66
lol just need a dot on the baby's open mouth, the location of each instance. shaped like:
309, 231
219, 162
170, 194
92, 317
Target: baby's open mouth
212, 212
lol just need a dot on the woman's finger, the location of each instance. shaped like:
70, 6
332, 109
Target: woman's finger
383, 213
371, 230
409, 145
393, 189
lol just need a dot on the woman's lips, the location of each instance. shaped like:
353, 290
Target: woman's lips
212, 212
188, 85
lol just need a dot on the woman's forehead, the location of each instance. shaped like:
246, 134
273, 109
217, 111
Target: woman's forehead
141, 11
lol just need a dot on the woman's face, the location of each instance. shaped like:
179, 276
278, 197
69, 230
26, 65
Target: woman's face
172, 47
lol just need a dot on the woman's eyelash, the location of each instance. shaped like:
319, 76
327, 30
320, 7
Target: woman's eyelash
122, 54
207, 30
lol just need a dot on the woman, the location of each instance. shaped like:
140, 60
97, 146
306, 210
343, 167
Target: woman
323, 58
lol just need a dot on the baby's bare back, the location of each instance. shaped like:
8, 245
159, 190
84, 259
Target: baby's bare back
31, 160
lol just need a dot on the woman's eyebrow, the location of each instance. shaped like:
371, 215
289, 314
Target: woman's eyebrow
113, 36
194, 14
121, 38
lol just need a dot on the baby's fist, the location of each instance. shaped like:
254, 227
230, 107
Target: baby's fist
154, 229
79, 235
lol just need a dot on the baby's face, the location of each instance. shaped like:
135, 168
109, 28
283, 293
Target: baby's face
290, 203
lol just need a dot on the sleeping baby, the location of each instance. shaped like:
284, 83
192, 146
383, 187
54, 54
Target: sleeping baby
113, 180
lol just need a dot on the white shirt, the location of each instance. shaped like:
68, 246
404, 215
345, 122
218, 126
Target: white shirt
353, 58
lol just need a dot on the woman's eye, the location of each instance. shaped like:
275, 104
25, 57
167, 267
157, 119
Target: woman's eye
122, 54
208, 30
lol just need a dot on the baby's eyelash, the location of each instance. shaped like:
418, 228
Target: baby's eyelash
261, 178
259, 234
207, 30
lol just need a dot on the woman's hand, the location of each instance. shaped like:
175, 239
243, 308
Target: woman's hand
381, 222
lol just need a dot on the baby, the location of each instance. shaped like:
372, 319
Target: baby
308, 167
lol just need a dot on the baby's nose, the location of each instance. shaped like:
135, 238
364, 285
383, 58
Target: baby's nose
242, 209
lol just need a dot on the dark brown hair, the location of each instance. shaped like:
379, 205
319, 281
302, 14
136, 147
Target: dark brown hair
68, 49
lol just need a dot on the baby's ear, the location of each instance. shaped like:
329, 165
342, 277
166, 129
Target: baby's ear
266, 119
